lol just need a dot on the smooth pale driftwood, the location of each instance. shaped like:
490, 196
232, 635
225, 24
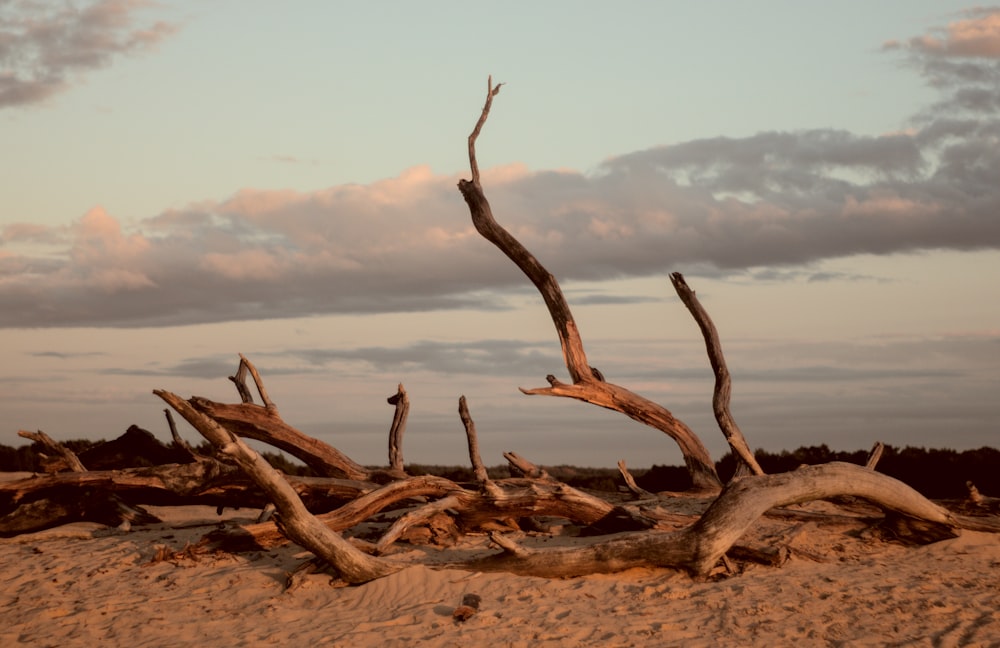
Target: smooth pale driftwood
722, 394
699, 548
587, 385
302, 527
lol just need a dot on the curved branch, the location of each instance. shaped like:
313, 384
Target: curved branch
699, 548
723, 382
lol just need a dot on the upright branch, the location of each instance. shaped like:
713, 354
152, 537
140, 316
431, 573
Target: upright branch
487, 226
470, 432
402, 403
240, 380
587, 384
723, 383
179, 441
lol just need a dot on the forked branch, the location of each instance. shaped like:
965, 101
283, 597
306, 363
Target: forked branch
587, 385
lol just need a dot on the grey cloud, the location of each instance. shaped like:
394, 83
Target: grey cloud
62, 355
600, 298
796, 274
210, 367
760, 205
482, 357
828, 373
44, 45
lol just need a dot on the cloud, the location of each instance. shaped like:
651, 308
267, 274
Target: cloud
764, 205
45, 45
977, 35
482, 357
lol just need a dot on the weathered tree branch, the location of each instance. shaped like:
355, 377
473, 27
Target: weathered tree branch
478, 468
874, 455
301, 526
266, 425
398, 427
240, 380
65, 454
721, 396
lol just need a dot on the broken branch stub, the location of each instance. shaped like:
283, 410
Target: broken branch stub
586, 386
402, 409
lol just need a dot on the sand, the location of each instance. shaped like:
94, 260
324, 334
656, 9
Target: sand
87, 585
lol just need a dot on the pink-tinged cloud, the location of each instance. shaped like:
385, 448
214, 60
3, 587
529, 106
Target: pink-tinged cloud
45, 46
975, 36
720, 205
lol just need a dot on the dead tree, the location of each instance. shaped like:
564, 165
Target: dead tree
587, 384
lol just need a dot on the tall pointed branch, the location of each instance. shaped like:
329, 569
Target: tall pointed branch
723, 382
470, 433
398, 427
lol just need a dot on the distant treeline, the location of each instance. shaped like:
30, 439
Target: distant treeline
30, 458
937, 473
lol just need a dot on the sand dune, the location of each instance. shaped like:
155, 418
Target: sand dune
86, 585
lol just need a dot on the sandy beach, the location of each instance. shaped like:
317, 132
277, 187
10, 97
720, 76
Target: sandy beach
84, 585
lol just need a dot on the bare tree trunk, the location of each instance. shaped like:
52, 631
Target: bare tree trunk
586, 384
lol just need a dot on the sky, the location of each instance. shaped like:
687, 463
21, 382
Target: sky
186, 181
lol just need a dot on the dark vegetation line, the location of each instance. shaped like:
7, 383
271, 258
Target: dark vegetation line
935, 473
